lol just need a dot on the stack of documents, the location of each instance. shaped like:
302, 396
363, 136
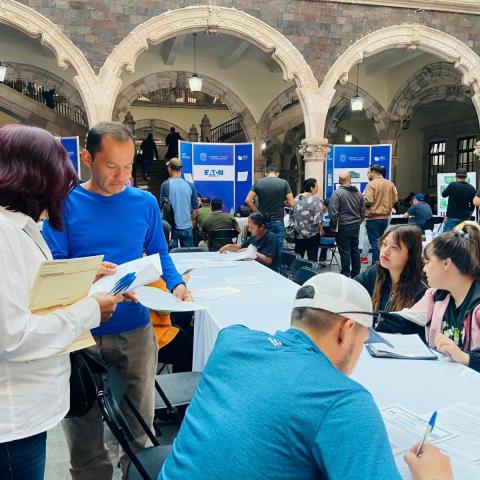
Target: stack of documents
409, 347
161, 301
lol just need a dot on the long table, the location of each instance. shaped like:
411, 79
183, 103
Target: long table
265, 306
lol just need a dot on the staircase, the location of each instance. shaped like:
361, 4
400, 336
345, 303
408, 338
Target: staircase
158, 176
226, 132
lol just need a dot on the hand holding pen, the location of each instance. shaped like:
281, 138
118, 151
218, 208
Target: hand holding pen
428, 431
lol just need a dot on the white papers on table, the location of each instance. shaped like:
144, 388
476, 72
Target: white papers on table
250, 253
404, 346
405, 429
214, 293
463, 446
242, 176
243, 280
147, 270
223, 263
161, 301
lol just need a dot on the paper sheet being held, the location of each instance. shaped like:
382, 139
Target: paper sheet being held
147, 270
161, 301
249, 254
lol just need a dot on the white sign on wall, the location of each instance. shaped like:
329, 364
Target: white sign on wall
443, 179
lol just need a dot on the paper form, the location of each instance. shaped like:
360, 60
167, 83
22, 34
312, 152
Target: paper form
242, 280
147, 270
405, 429
403, 346
250, 253
161, 301
214, 293
60, 283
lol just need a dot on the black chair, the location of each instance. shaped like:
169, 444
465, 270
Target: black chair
431, 222
301, 275
301, 262
188, 249
146, 463
330, 244
398, 221
223, 237
173, 395
286, 261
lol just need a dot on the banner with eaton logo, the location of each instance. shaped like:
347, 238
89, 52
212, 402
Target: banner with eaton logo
73, 151
355, 159
221, 170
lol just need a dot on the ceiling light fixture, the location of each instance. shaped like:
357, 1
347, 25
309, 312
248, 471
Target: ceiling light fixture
356, 102
195, 82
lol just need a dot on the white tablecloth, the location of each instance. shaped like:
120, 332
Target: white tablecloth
266, 306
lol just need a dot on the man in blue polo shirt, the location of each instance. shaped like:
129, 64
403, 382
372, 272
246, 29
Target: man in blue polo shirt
419, 212
104, 216
283, 407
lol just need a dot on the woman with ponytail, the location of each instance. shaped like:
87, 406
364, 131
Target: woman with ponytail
450, 309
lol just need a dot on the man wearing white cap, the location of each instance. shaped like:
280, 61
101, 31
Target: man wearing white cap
283, 407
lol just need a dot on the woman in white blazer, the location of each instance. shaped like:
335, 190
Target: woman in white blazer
35, 178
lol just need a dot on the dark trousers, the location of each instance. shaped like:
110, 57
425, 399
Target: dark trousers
23, 459
147, 166
277, 227
309, 245
375, 229
347, 242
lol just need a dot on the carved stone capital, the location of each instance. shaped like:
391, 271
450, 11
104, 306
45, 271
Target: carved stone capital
314, 150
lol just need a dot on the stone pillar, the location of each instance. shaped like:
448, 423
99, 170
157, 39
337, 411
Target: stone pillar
205, 129
129, 122
193, 134
314, 153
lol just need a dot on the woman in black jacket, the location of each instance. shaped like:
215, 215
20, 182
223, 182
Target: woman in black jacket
397, 281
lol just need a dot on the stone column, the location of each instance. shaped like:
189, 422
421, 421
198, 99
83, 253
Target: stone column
314, 153
193, 134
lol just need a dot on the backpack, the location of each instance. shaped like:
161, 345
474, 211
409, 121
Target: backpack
166, 208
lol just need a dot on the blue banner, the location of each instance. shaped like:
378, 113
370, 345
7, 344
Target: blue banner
355, 159
221, 170
73, 151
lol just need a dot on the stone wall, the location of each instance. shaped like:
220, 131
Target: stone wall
321, 30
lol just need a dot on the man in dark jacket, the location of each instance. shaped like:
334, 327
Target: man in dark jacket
347, 210
149, 152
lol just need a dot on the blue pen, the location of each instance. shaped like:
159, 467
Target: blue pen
123, 284
428, 431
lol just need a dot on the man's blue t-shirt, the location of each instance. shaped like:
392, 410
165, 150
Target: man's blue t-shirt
121, 227
419, 214
274, 407
183, 199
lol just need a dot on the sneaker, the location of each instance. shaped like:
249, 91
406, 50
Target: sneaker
363, 259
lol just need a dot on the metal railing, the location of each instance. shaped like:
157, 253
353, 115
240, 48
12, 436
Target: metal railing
226, 130
177, 95
47, 97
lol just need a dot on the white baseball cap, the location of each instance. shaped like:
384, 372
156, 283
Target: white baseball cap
339, 294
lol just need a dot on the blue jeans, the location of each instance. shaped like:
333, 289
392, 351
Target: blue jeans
277, 227
375, 229
23, 459
451, 223
183, 236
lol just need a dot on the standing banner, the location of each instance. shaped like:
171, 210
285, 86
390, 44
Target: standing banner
355, 159
72, 147
443, 179
222, 170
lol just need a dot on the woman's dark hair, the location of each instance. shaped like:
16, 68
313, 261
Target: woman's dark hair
258, 218
308, 184
404, 293
461, 246
35, 173
118, 132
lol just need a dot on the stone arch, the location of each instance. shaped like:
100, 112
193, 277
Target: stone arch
210, 86
410, 36
341, 103
32, 23
213, 19
160, 124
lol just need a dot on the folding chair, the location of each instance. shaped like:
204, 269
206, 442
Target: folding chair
301, 262
188, 249
330, 244
301, 275
223, 237
146, 463
173, 395
286, 261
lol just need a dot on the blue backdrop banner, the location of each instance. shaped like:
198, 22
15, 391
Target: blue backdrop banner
73, 151
355, 159
221, 170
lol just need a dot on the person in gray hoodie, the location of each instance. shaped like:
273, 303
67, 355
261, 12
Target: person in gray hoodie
347, 211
